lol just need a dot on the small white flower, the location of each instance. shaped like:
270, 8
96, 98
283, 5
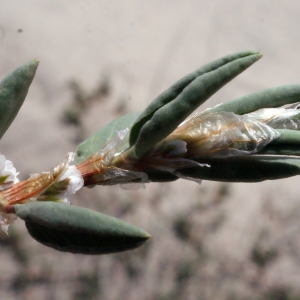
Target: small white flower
53, 185
8, 173
75, 183
75, 179
69, 182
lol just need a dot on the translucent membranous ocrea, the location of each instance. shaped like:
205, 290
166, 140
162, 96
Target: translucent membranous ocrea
222, 134
54, 185
219, 134
98, 168
280, 118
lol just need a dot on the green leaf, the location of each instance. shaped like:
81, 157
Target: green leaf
250, 168
273, 97
287, 144
75, 229
162, 117
172, 92
281, 149
156, 175
287, 136
104, 135
13, 91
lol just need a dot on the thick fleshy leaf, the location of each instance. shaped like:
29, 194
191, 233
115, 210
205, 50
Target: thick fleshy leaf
273, 97
172, 92
104, 135
281, 149
252, 168
78, 230
155, 175
287, 136
13, 91
287, 144
161, 121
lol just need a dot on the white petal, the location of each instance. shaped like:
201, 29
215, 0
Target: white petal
7, 170
76, 181
11, 171
2, 163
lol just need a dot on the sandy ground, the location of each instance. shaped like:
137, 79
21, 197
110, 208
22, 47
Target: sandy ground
143, 47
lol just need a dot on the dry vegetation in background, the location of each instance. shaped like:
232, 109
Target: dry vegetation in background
213, 241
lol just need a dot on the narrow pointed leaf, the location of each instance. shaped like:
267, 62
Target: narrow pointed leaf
273, 97
78, 230
252, 168
287, 136
281, 149
13, 91
104, 135
165, 119
156, 175
172, 92
287, 144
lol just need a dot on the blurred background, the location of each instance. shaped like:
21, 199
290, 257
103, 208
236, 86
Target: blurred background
101, 59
